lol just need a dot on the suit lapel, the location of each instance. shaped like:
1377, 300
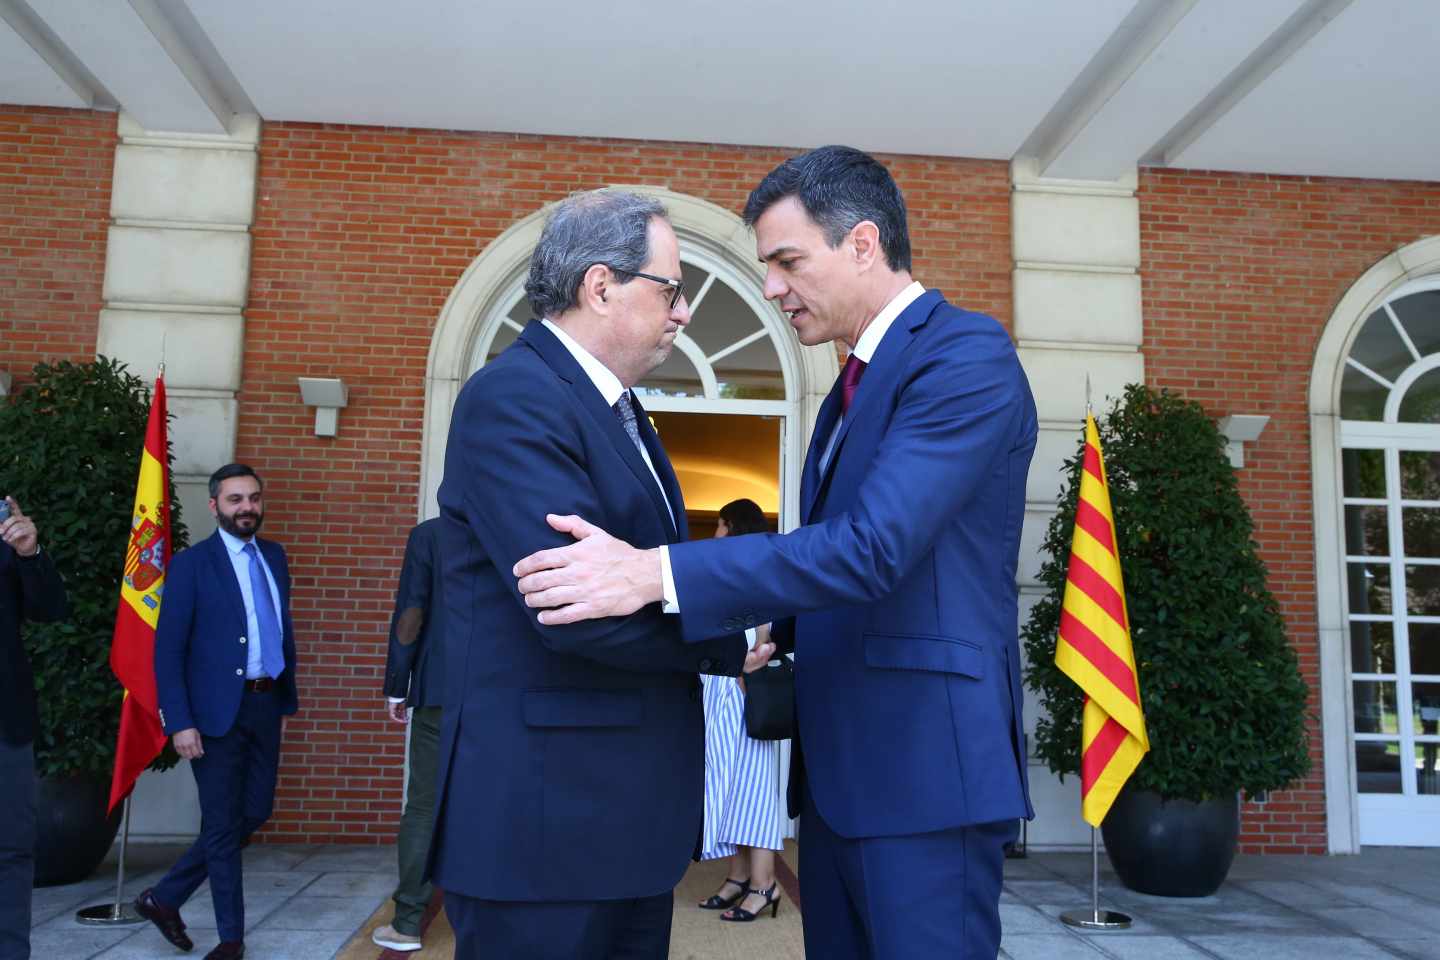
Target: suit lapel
553, 352
810, 475
679, 526
225, 575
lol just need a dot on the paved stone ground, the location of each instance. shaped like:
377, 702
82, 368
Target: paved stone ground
304, 903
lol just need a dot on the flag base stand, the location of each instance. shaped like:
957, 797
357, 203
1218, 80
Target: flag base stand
119, 913
1095, 918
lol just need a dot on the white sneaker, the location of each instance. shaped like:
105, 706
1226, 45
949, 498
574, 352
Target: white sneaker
387, 936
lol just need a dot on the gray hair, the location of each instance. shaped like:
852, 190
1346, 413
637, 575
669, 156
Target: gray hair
601, 226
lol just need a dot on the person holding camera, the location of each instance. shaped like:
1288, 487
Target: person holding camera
30, 589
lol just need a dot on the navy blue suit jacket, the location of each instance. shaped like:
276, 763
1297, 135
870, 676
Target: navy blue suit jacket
571, 757
907, 661
415, 669
199, 654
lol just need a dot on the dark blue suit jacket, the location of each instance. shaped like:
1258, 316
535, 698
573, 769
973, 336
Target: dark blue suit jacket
572, 757
415, 669
199, 656
907, 661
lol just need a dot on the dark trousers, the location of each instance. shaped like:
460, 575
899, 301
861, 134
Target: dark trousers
577, 930
417, 823
17, 848
898, 898
236, 778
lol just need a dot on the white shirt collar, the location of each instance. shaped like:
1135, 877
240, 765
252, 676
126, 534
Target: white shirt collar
233, 543
605, 381
870, 340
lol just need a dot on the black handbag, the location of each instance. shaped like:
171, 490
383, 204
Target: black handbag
770, 701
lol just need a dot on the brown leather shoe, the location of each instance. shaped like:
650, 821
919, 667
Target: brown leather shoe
227, 950
166, 919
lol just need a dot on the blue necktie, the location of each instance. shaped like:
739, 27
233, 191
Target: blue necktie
272, 655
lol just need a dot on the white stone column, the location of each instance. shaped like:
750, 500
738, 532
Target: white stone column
1076, 246
177, 271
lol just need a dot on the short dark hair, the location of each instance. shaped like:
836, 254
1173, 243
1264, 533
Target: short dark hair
839, 187
602, 226
232, 470
744, 516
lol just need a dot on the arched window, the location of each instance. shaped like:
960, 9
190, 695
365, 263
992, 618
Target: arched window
1390, 488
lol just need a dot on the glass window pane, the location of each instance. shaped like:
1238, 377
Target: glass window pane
676, 377
752, 373
1421, 527
1378, 767
1419, 475
1419, 314
721, 318
1375, 707
1421, 403
504, 336
1369, 585
1380, 348
1372, 647
1424, 649
1426, 698
1361, 398
1367, 532
1422, 592
1364, 473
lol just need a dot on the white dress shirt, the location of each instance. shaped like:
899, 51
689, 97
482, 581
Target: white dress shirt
241, 562
865, 349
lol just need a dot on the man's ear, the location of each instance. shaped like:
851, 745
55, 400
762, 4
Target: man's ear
593, 286
865, 242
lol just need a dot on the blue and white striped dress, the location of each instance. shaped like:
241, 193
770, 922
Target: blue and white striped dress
742, 776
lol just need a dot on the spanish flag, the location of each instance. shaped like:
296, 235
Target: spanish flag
1094, 646
132, 652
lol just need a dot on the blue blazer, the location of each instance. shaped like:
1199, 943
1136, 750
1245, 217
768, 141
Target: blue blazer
199, 656
906, 654
572, 757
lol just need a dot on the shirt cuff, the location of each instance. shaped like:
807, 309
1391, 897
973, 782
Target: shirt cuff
671, 603
396, 699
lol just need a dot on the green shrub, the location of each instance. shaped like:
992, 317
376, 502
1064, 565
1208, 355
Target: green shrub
1220, 685
70, 445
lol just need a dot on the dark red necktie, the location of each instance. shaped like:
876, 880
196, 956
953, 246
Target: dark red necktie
850, 381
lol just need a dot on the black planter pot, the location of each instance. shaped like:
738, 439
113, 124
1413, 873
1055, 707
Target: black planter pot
72, 833
1171, 848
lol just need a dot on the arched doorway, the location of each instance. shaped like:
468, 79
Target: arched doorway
737, 360
1376, 438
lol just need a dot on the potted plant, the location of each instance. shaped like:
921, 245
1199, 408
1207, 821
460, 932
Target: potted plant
1220, 686
70, 455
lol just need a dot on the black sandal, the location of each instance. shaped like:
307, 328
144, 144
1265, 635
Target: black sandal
717, 902
741, 915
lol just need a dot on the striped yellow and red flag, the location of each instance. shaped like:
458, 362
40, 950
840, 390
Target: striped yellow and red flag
1094, 646
132, 651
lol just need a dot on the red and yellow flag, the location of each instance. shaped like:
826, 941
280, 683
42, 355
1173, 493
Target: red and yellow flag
132, 652
1094, 646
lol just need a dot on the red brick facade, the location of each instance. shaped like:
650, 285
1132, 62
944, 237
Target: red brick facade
55, 172
1239, 275
361, 234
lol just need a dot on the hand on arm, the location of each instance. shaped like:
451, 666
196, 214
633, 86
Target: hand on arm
598, 576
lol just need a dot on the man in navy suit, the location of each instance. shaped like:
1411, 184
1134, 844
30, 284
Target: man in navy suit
225, 675
909, 775
571, 758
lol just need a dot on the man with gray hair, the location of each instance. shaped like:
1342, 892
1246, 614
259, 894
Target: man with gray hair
571, 758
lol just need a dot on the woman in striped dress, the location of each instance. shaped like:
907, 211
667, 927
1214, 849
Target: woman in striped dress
742, 776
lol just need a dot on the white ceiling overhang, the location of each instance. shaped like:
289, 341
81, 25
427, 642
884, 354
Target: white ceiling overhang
1087, 90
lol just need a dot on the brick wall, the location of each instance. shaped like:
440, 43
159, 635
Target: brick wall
55, 173
360, 235
1239, 275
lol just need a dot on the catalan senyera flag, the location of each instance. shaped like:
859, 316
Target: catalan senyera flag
132, 651
1094, 645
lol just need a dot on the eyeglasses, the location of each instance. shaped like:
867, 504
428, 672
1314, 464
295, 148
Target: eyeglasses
677, 287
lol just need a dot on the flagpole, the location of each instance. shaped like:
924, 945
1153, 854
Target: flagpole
1095, 918
121, 911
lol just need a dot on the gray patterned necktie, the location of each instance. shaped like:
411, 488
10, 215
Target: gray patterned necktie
626, 412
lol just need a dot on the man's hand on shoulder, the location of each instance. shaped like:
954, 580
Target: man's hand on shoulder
188, 743
598, 576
